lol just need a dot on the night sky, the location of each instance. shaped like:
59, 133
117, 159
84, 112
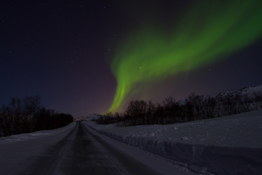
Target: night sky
85, 57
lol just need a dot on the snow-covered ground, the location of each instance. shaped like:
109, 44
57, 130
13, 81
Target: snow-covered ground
75, 149
241, 130
17, 152
237, 138
226, 145
36, 135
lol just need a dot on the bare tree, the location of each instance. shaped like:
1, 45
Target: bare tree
32, 105
136, 110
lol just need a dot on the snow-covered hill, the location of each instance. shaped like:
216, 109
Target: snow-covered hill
247, 91
250, 92
94, 116
88, 117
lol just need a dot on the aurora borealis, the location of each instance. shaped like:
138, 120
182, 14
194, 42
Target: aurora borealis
86, 57
204, 35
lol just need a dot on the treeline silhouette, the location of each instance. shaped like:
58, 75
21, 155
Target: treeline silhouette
27, 115
194, 107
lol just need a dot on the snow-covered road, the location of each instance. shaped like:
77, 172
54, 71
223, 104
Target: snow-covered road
225, 145
77, 149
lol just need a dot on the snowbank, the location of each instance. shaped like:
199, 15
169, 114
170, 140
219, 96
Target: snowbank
36, 135
221, 145
17, 152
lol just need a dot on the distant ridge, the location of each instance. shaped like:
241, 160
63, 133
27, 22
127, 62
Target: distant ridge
249, 91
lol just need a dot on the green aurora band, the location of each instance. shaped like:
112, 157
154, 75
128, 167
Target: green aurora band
203, 36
